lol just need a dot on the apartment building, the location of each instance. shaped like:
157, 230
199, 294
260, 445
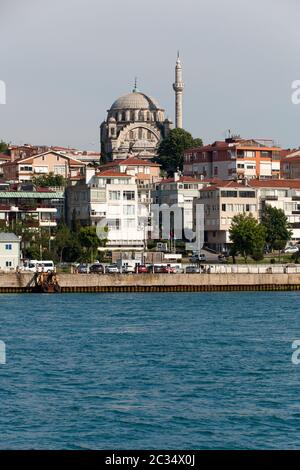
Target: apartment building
290, 166
282, 194
225, 200
24, 169
234, 158
111, 198
222, 202
146, 173
180, 191
33, 207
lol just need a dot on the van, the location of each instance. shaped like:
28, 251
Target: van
34, 265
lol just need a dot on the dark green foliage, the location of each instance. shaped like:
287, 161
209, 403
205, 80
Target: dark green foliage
248, 236
170, 151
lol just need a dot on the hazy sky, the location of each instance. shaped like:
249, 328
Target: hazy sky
65, 62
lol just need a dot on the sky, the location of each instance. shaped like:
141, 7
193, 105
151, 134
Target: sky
64, 62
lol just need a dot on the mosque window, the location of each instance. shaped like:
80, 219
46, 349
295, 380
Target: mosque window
140, 133
131, 136
149, 135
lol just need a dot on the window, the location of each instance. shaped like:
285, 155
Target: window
129, 210
26, 168
114, 195
8, 246
128, 195
41, 169
228, 193
113, 224
59, 170
215, 170
129, 223
247, 193
8, 264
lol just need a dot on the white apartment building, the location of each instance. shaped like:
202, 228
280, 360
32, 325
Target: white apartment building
224, 200
180, 191
10, 254
221, 203
110, 198
282, 194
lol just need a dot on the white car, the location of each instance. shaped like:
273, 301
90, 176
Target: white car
291, 249
111, 269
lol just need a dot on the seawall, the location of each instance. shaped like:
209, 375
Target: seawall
21, 283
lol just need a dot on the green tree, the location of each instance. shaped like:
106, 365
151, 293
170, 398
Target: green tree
89, 241
170, 151
63, 239
277, 227
3, 147
248, 236
51, 180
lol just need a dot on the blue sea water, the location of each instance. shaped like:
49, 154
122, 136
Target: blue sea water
153, 371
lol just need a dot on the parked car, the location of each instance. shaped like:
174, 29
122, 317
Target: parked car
167, 269
291, 249
192, 270
83, 268
111, 269
142, 269
97, 268
197, 258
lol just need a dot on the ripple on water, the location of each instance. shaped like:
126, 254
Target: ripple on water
201, 371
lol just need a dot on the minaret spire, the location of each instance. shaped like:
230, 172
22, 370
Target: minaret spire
178, 87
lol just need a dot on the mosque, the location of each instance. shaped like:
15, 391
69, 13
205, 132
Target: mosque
136, 123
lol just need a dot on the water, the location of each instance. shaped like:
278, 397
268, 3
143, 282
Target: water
133, 371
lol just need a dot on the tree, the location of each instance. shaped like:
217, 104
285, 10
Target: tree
51, 180
170, 151
63, 239
248, 236
3, 147
278, 231
89, 241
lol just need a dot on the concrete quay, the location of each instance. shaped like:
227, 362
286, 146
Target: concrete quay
25, 282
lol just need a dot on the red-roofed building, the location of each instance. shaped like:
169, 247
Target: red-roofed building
23, 169
234, 158
290, 165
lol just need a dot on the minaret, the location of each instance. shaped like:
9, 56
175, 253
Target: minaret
178, 87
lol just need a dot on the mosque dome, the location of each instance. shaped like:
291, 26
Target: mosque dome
135, 100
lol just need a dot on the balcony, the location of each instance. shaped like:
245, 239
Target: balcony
271, 198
